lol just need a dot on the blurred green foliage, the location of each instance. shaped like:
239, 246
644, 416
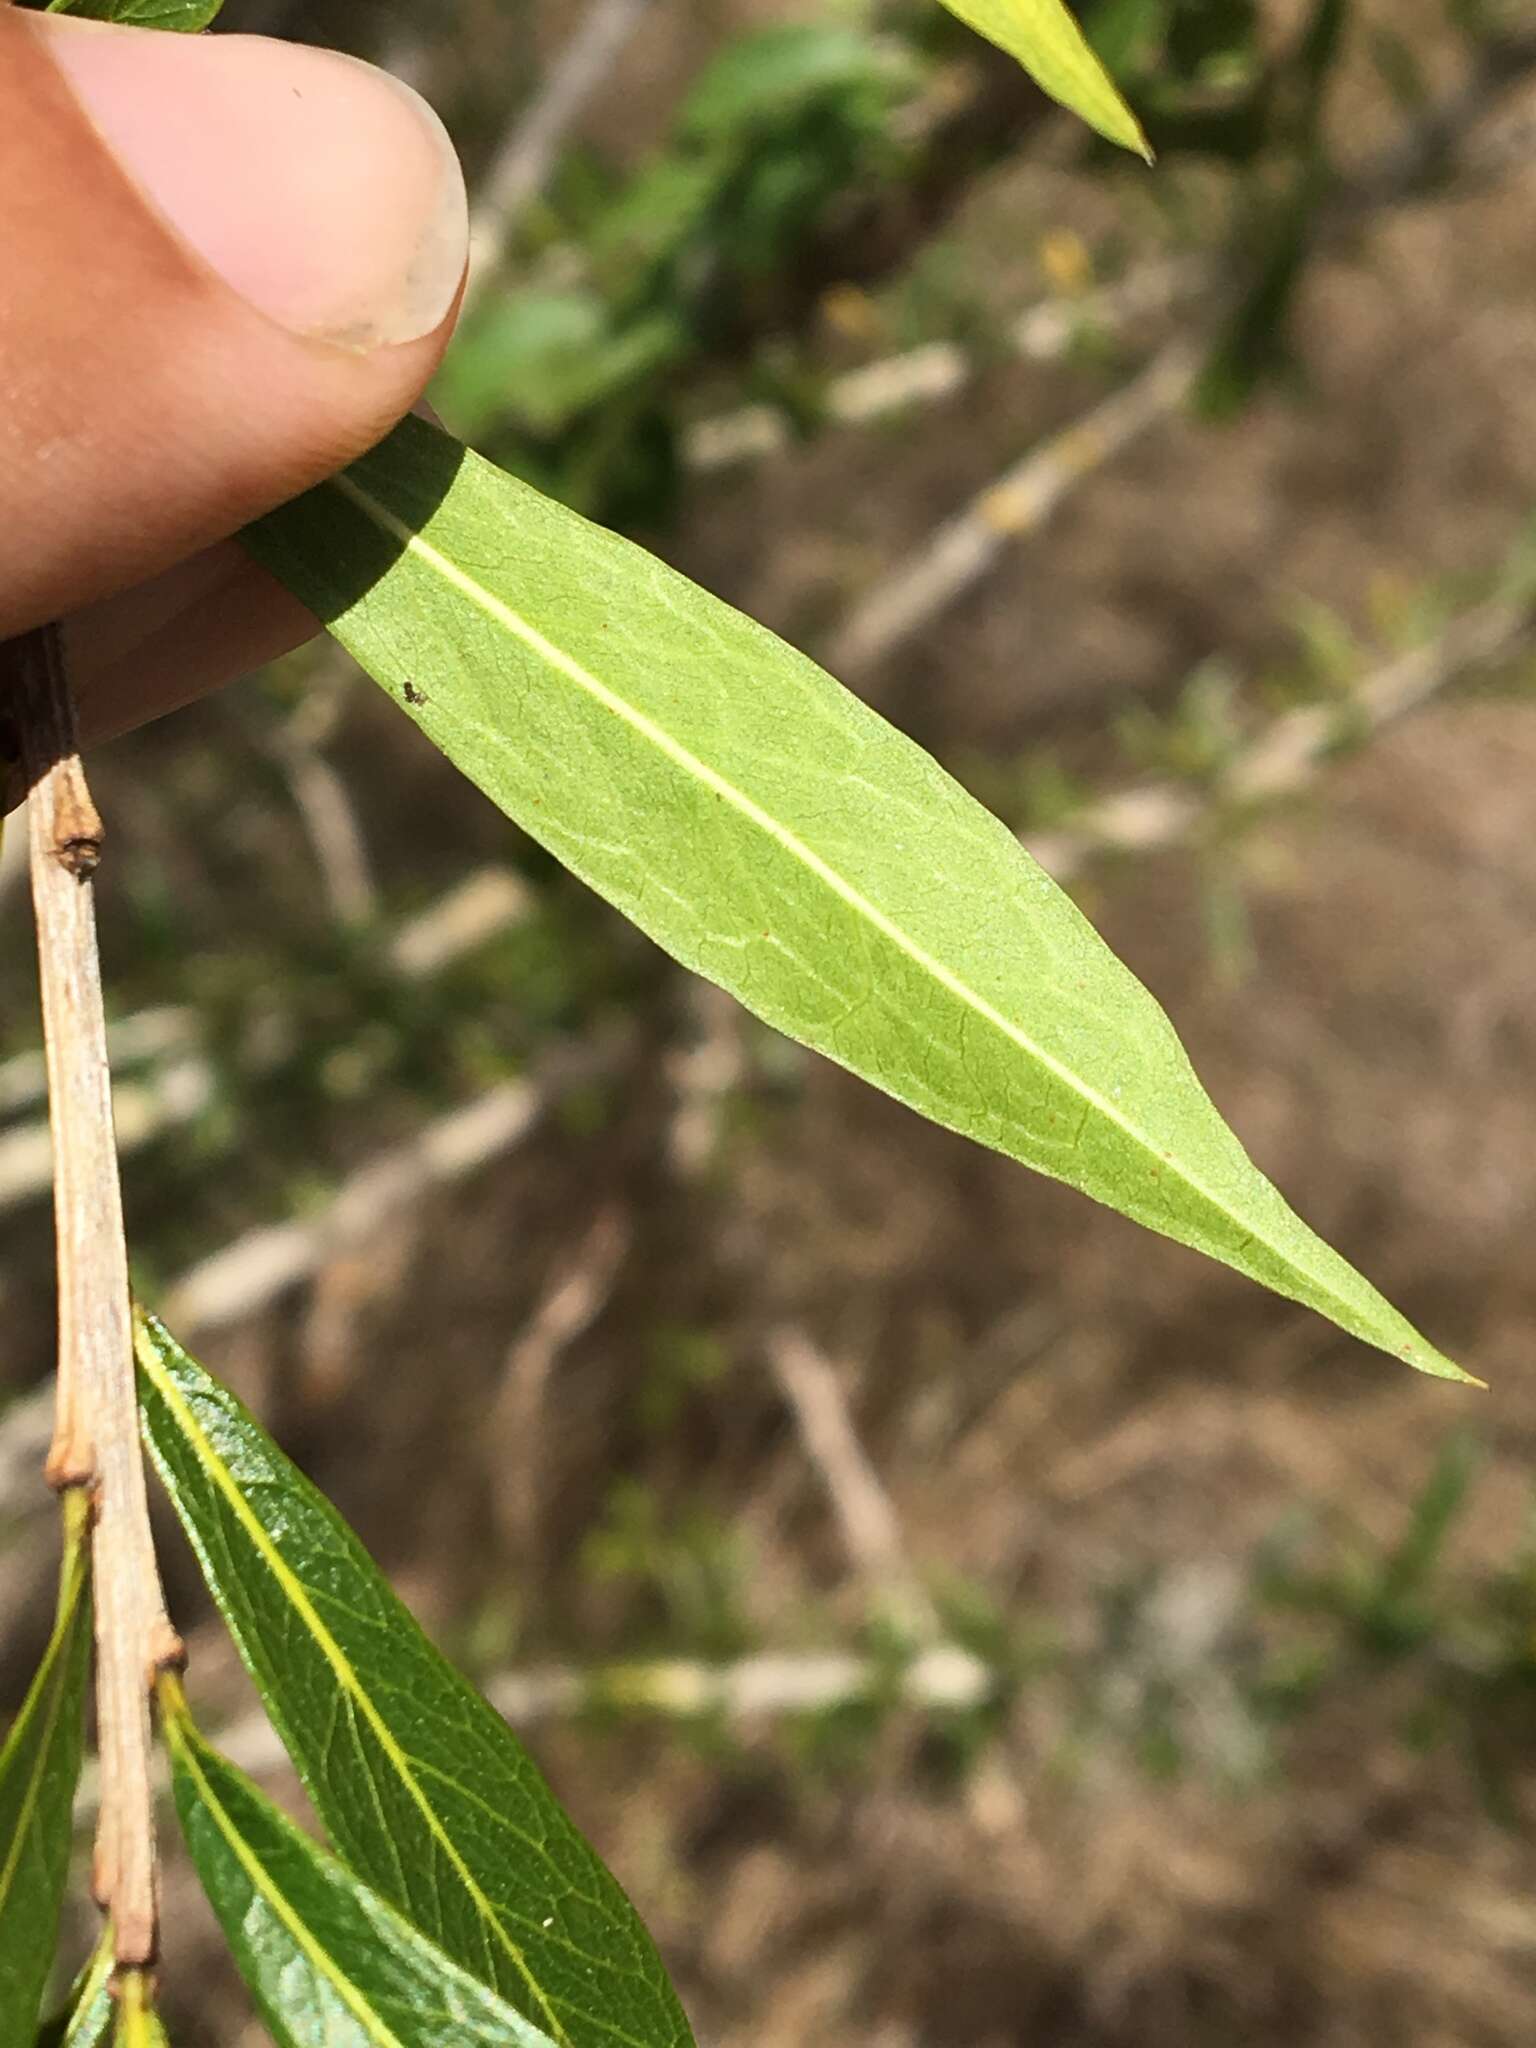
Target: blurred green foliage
571, 385
575, 368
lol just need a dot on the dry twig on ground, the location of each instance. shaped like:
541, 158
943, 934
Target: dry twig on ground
1017, 504
526, 158
865, 1512
1288, 754
1042, 333
181, 1080
575, 1296
1014, 505
940, 1677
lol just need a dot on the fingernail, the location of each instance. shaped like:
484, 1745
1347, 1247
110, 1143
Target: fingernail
326, 193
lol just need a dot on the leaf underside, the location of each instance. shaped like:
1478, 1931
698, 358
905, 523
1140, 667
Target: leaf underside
329, 1963
774, 834
422, 1787
39, 1768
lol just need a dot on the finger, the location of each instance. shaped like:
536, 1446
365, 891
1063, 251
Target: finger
230, 266
163, 644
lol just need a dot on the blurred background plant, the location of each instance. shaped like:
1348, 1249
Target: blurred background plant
958, 1618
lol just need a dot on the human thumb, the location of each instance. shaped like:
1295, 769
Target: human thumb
230, 264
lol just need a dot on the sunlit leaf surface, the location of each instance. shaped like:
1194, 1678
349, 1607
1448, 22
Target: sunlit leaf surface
773, 833
1047, 41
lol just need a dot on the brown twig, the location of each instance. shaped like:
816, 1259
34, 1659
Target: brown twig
577, 1293
866, 1513
1044, 332
873, 1538
255, 1270
321, 798
941, 1676
181, 1079
96, 1435
1014, 505
1290, 752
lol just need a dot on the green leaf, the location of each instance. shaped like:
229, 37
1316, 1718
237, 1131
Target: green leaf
767, 78
329, 1963
86, 2020
1047, 41
773, 833
185, 15
1122, 31
39, 1767
421, 1785
543, 358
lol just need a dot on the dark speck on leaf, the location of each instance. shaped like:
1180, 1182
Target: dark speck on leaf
412, 694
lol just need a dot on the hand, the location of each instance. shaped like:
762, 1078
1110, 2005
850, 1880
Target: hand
229, 266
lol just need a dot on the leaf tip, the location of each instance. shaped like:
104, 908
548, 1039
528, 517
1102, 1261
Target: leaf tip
1125, 129
1426, 1359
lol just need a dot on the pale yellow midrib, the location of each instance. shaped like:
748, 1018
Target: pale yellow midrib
319, 1957
685, 758
522, 629
96, 1979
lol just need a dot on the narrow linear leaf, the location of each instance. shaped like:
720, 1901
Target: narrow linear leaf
774, 834
1047, 41
186, 15
86, 2020
423, 1788
39, 1768
329, 1963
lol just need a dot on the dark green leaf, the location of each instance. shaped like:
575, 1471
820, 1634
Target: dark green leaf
1121, 30
423, 1788
1395, 1610
86, 2020
758, 82
1255, 341
772, 833
186, 15
329, 1962
1397, 62
39, 1767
